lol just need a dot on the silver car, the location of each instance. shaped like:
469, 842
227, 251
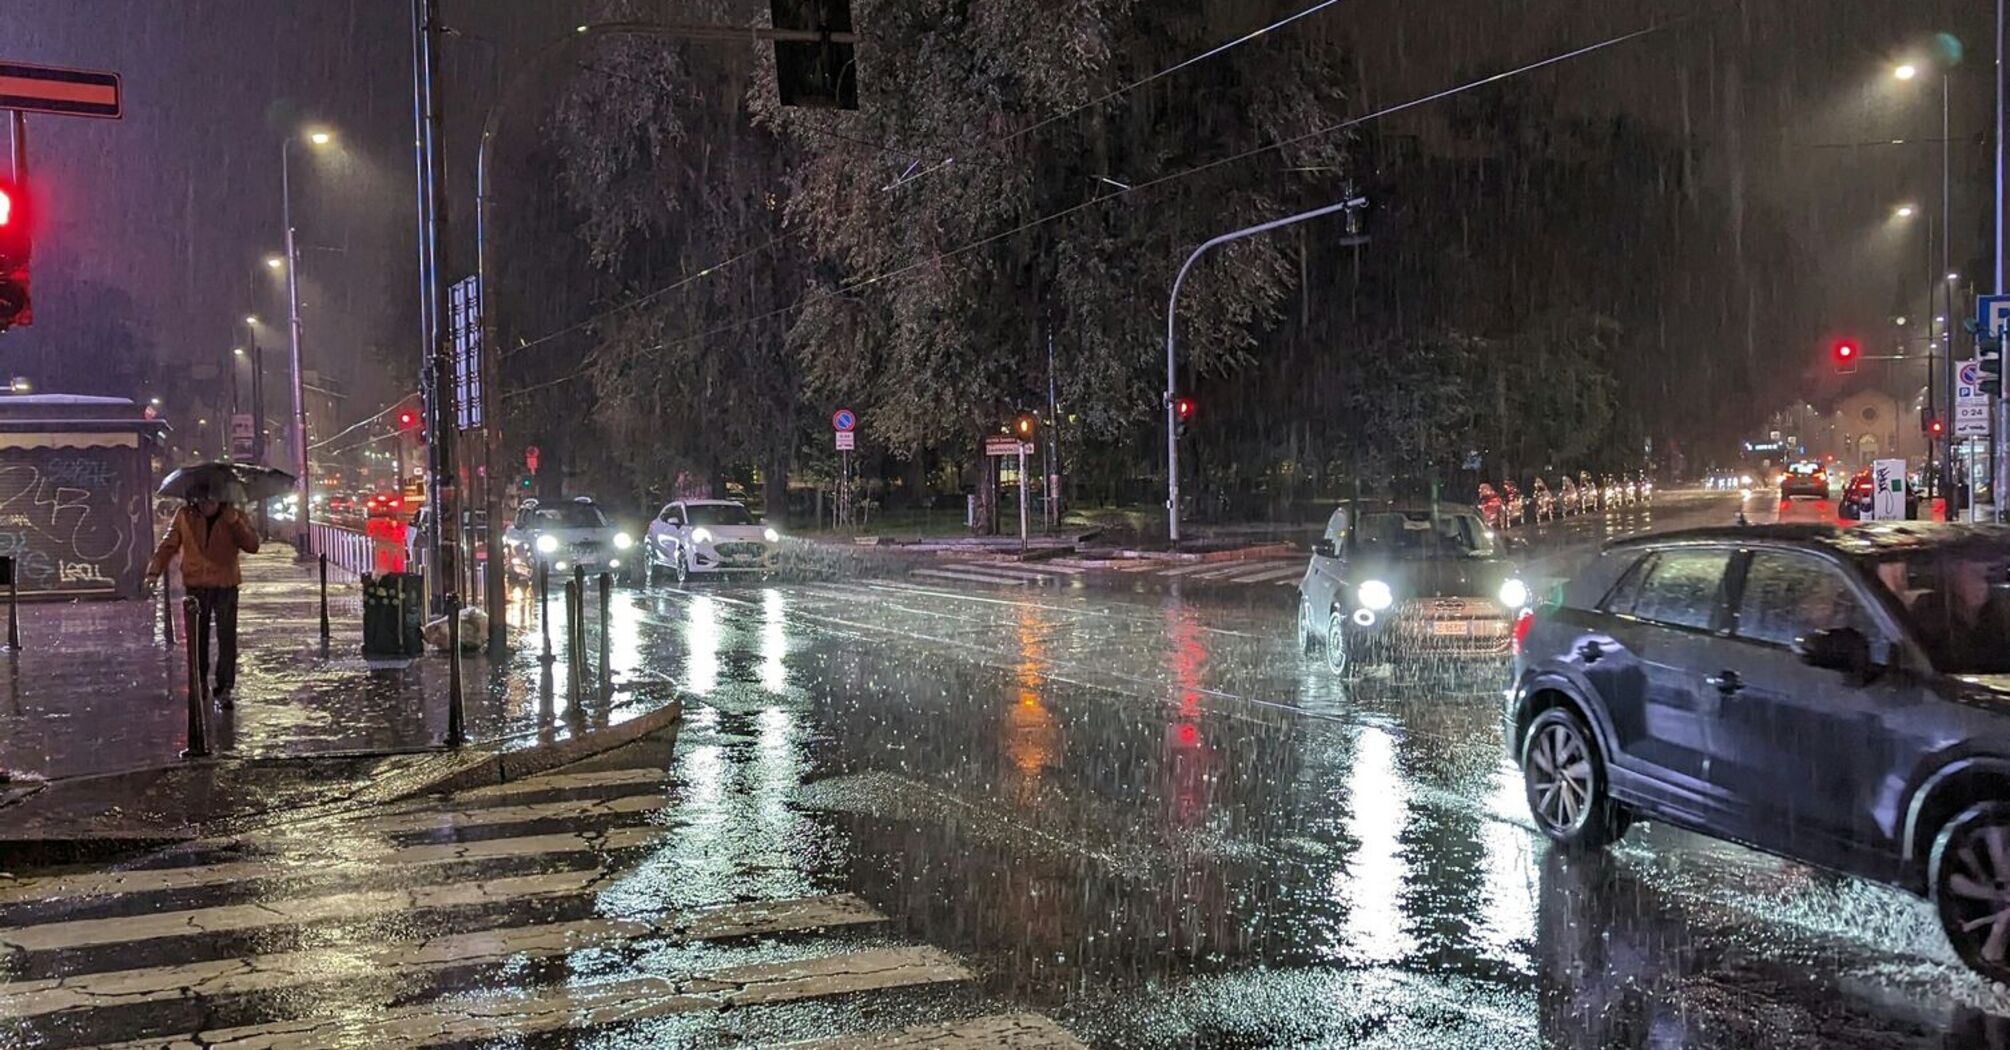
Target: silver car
709, 536
564, 536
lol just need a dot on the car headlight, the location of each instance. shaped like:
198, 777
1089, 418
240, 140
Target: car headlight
701, 534
1375, 595
771, 535
1514, 594
623, 541
547, 544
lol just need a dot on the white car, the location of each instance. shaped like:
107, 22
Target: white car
564, 536
709, 536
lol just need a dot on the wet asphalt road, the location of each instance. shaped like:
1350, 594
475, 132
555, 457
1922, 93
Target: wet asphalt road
1110, 809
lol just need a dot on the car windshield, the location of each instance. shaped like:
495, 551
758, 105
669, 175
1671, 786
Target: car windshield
1958, 602
1419, 534
569, 516
719, 514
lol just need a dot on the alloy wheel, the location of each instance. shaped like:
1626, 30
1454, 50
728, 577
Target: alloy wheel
1336, 644
1560, 777
1971, 863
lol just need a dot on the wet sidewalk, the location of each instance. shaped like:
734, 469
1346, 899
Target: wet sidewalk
95, 689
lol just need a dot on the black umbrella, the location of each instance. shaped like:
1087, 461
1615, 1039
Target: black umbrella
228, 482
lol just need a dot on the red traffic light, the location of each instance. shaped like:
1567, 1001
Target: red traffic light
1182, 408
1935, 427
1845, 354
407, 419
6, 204
14, 251
1845, 351
1024, 426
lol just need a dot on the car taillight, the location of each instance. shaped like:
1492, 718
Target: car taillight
1522, 623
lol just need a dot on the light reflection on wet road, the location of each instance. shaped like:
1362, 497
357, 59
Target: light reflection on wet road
1140, 811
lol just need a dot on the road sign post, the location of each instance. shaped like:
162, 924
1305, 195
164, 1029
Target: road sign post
1992, 316
844, 424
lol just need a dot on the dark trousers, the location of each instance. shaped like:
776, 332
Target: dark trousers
217, 606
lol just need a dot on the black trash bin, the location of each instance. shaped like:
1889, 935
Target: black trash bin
393, 612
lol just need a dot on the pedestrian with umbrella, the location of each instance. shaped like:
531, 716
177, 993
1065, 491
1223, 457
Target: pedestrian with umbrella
210, 534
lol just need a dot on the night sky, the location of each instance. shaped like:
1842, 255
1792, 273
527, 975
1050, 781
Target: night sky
168, 212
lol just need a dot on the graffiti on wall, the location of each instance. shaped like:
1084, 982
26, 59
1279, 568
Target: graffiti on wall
69, 519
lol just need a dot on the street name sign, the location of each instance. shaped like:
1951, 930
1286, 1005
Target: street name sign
1002, 446
54, 89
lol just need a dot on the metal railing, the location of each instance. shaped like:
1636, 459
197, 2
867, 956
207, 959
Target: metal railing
359, 552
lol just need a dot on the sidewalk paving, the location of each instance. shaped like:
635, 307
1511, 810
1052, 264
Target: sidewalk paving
94, 703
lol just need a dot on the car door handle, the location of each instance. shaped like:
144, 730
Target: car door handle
1590, 652
1727, 682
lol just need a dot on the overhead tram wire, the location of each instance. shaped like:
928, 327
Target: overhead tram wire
1352, 122
337, 436
905, 178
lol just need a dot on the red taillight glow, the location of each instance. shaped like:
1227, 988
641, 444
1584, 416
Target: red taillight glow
1522, 623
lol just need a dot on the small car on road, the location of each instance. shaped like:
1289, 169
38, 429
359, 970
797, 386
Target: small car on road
1398, 581
1839, 697
1804, 479
564, 535
709, 536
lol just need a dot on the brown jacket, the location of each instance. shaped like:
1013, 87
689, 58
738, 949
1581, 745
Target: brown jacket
208, 555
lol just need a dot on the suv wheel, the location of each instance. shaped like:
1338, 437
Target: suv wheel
1336, 644
1970, 870
1564, 779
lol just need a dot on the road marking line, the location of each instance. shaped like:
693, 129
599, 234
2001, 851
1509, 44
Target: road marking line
465, 1019
469, 817
566, 782
1036, 566
945, 574
1205, 566
298, 864
120, 929
1279, 573
1020, 1031
266, 973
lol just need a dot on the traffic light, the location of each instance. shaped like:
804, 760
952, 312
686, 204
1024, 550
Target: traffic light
15, 215
1932, 424
1023, 427
407, 419
1845, 354
1182, 413
1989, 361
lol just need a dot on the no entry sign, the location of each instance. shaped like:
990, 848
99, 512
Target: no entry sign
53, 89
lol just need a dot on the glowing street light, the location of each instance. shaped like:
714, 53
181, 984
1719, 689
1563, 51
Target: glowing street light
1906, 71
238, 350
250, 318
274, 262
320, 138
1904, 211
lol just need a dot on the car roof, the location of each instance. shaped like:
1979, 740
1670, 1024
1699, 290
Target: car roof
1868, 539
710, 502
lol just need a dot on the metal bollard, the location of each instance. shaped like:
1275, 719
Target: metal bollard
324, 597
457, 728
167, 613
574, 665
606, 611
544, 607
578, 635
198, 686
14, 609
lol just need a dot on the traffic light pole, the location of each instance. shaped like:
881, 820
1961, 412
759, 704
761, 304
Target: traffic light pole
1172, 373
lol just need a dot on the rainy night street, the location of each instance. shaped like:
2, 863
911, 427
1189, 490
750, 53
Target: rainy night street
1116, 810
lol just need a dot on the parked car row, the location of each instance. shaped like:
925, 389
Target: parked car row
1507, 507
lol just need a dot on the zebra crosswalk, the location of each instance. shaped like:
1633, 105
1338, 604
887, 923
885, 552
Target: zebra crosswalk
1280, 571
523, 910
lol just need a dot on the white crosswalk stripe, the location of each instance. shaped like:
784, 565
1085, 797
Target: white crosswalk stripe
132, 957
972, 576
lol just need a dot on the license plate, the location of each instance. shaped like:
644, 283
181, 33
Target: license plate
1450, 627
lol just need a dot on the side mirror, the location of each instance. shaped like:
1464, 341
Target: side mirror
1836, 649
1323, 547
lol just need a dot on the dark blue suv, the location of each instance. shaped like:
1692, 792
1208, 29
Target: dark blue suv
1839, 697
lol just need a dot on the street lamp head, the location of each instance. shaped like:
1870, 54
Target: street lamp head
238, 350
250, 318
1906, 71
1904, 211
1900, 322
154, 401
320, 138
274, 262
1953, 276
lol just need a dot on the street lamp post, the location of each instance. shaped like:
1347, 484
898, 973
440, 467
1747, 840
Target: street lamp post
303, 482
1172, 377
